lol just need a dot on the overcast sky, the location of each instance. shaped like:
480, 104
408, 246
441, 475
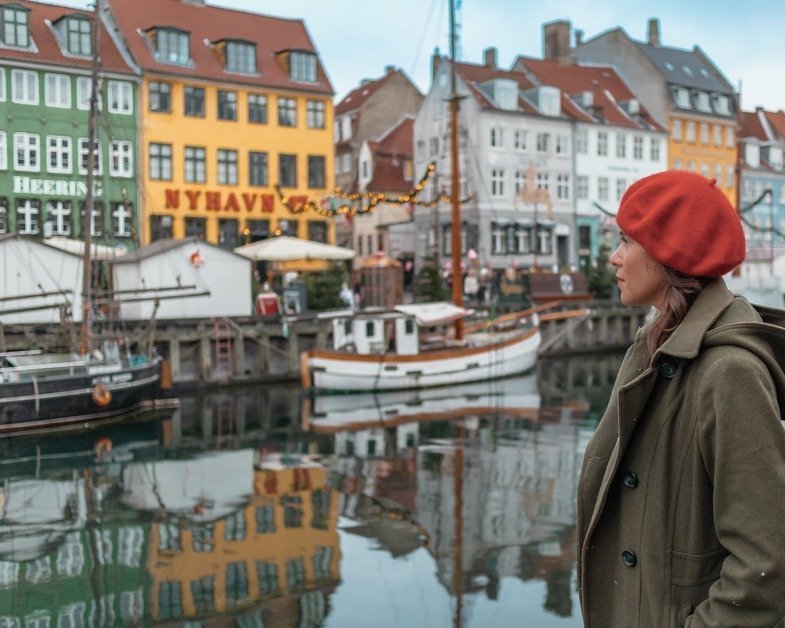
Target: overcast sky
357, 38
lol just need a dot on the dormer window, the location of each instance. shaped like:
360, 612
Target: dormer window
79, 39
721, 104
302, 66
171, 46
683, 97
241, 57
15, 27
702, 102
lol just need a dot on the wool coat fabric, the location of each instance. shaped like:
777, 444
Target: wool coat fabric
681, 500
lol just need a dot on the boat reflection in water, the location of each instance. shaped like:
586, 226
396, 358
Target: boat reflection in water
248, 508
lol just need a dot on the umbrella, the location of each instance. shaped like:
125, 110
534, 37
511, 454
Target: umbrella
286, 249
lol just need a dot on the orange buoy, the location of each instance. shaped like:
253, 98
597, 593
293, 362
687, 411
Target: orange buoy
101, 396
102, 448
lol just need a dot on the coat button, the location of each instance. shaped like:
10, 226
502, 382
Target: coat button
629, 558
630, 479
668, 370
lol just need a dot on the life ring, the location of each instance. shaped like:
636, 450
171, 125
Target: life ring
101, 396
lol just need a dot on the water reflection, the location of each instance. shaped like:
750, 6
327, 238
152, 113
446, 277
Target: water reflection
249, 508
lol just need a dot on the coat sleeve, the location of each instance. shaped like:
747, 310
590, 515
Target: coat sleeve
742, 442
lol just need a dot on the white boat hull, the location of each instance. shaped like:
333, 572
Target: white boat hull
485, 356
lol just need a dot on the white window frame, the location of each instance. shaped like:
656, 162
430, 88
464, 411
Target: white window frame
683, 98
730, 137
582, 141
2, 84
519, 180
621, 145
3, 150
519, 140
497, 182
654, 149
496, 137
29, 87
689, 135
602, 144
637, 147
122, 93
704, 131
562, 144
29, 149
603, 188
84, 88
57, 90
621, 188
124, 219
563, 187
58, 214
30, 217
581, 187
82, 150
677, 130
121, 159
543, 142
61, 149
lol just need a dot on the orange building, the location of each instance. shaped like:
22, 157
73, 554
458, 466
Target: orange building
232, 104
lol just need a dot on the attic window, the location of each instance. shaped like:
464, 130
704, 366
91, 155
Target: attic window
721, 104
704, 72
79, 40
687, 70
669, 66
683, 98
15, 27
302, 66
241, 57
702, 102
171, 46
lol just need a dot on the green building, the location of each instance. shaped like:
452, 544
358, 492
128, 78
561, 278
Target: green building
45, 85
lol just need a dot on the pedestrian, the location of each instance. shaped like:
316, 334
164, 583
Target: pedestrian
681, 499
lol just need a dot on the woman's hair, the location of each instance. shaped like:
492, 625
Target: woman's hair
682, 292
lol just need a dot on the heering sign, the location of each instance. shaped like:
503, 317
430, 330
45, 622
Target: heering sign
223, 201
52, 187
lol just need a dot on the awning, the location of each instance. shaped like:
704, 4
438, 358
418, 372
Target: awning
434, 313
287, 249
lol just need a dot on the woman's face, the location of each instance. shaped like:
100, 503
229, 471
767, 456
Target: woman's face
640, 278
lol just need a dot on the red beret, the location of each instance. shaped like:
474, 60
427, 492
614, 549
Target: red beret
684, 222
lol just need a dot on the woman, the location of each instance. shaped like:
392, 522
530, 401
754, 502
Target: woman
681, 501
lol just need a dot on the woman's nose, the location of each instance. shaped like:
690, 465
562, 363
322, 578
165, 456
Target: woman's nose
615, 259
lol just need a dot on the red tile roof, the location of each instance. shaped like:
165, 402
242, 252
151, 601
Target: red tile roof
207, 25
367, 88
776, 120
603, 82
390, 155
48, 47
399, 140
750, 126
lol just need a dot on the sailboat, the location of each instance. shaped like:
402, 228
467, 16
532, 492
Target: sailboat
99, 380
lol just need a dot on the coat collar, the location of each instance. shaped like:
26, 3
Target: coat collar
686, 339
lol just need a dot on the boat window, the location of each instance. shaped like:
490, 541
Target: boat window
369, 329
347, 327
409, 326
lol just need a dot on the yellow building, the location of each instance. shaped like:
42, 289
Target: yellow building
232, 104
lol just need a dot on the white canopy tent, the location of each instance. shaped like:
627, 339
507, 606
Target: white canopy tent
288, 249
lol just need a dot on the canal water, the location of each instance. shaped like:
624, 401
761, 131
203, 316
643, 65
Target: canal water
258, 507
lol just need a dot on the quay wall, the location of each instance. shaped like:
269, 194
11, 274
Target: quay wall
214, 352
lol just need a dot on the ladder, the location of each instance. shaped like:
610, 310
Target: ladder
222, 333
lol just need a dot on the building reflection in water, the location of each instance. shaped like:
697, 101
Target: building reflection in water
229, 510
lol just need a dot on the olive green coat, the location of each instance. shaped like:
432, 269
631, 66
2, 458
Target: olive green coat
681, 501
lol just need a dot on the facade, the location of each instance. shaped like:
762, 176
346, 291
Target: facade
682, 89
232, 104
615, 142
366, 114
516, 167
45, 87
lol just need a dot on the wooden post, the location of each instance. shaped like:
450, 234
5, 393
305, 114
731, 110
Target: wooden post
293, 362
239, 353
174, 359
205, 357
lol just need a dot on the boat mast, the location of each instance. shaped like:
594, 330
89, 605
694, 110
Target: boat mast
457, 284
87, 219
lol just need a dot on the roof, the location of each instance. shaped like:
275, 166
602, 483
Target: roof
46, 46
207, 25
605, 84
686, 68
390, 155
776, 120
750, 126
169, 244
360, 94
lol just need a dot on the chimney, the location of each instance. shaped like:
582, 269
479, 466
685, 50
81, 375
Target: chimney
489, 56
654, 32
578, 37
556, 40
389, 69
436, 60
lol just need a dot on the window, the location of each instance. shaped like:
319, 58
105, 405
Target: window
195, 227
58, 154
3, 151
562, 144
15, 32
160, 97
543, 181
581, 187
676, 130
257, 108
258, 229
302, 67
268, 576
702, 102
721, 105
160, 160
690, 135
497, 182
58, 218
655, 149
602, 143
121, 159
122, 219
704, 133
79, 39
120, 97
543, 141
27, 210
433, 146
227, 166
194, 164
717, 135
519, 139
519, 177
84, 91
677, 164
2, 84
193, 101
563, 186
203, 593
287, 171
287, 112
729, 137
84, 152
257, 168
315, 114
691, 165
227, 105
96, 217
170, 600
315, 171
621, 145
582, 141
4, 214
497, 137
161, 229
730, 176
26, 152
317, 231
241, 57
227, 233
637, 147
171, 46
621, 187
58, 91
24, 87
683, 97
602, 188
718, 174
